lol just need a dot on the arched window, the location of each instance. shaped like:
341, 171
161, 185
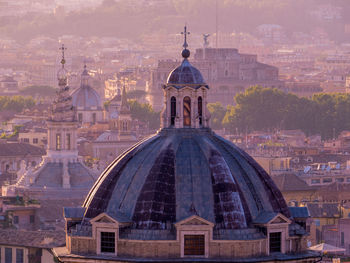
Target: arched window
187, 111
200, 110
172, 110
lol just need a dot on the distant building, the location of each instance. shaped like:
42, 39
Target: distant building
61, 174
224, 69
87, 102
19, 213
119, 138
12, 153
303, 89
8, 86
29, 246
34, 137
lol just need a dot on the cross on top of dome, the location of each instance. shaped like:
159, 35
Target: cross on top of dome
63, 61
62, 73
185, 51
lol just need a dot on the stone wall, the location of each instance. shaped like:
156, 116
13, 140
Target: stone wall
82, 245
160, 249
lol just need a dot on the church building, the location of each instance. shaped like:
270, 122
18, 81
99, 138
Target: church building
62, 173
184, 194
87, 102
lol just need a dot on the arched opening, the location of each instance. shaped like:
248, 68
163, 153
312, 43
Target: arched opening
172, 110
200, 110
187, 111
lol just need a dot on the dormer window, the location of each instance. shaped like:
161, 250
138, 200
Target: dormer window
194, 245
275, 242
107, 242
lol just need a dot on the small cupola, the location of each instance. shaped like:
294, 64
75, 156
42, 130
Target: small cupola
185, 95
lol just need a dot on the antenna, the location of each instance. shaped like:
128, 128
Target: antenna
216, 24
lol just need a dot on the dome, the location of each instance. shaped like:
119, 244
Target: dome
185, 74
86, 98
181, 172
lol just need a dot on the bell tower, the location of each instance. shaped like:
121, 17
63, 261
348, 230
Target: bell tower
62, 124
124, 118
185, 95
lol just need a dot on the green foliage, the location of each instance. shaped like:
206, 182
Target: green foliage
144, 112
38, 90
268, 109
217, 112
136, 94
16, 103
14, 134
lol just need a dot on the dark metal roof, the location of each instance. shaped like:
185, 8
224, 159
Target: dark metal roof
185, 74
299, 212
20, 149
52, 173
163, 178
86, 98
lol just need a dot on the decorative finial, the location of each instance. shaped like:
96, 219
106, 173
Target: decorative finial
185, 51
63, 61
185, 33
62, 73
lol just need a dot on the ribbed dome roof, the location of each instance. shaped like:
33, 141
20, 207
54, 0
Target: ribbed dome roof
185, 74
86, 98
180, 172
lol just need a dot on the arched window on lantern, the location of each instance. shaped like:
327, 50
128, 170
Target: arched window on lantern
200, 110
172, 110
187, 111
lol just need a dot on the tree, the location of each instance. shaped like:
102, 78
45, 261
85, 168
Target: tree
267, 109
144, 112
217, 112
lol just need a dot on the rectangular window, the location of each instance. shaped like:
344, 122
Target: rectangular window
31, 219
342, 239
68, 141
107, 242
275, 242
317, 222
339, 180
194, 245
315, 181
327, 180
94, 118
348, 179
19, 255
8, 255
35, 140
26, 140
58, 141
80, 117
15, 219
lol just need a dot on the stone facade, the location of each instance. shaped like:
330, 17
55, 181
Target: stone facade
225, 70
258, 247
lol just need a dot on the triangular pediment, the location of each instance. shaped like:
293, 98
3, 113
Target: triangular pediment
280, 219
194, 220
103, 218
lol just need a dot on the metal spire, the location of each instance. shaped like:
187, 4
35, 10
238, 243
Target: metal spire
63, 61
185, 33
